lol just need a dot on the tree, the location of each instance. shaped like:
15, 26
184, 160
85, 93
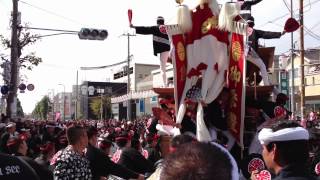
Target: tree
27, 61
42, 109
95, 106
20, 112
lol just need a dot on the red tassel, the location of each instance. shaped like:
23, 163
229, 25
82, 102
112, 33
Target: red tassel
130, 16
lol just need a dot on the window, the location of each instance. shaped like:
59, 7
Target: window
140, 76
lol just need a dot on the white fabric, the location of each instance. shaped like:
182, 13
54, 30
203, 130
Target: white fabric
235, 171
214, 137
167, 130
266, 135
163, 61
203, 134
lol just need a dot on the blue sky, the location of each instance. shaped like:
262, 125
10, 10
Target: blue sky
63, 55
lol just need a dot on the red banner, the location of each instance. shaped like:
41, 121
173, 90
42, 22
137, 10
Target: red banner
236, 77
180, 66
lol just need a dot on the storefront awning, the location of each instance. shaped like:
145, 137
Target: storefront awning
134, 95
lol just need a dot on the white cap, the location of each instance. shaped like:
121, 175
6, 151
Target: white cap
10, 125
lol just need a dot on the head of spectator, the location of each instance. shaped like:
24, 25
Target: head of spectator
135, 143
25, 132
17, 146
50, 127
105, 146
281, 99
200, 161
152, 139
48, 150
123, 140
77, 138
284, 144
11, 127
179, 140
92, 133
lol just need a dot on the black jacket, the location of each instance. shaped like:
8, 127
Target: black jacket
43, 172
101, 165
294, 172
12, 168
3, 142
160, 39
257, 34
153, 154
133, 159
214, 116
247, 7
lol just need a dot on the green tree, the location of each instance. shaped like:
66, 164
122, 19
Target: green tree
28, 61
95, 106
42, 109
20, 112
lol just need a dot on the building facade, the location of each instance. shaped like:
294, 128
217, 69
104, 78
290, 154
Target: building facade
311, 78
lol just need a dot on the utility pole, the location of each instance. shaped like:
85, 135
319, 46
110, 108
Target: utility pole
64, 101
76, 101
101, 106
129, 113
12, 96
302, 60
292, 67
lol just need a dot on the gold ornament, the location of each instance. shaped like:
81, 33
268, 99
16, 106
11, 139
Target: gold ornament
179, 1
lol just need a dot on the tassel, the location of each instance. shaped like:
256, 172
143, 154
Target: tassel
227, 14
184, 19
203, 134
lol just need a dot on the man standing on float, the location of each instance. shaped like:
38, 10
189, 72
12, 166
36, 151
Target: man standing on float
161, 44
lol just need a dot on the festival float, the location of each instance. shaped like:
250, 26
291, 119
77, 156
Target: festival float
209, 53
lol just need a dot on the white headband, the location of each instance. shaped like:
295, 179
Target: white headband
266, 135
235, 171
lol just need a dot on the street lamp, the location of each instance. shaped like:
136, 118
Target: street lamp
64, 101
52, 91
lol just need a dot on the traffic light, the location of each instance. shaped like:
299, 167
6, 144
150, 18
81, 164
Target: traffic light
93, 34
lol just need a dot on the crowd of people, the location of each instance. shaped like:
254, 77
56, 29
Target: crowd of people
111, 149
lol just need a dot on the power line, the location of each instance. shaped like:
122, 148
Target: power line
280, 17
52, 13
312, 34
286, 4
103, 67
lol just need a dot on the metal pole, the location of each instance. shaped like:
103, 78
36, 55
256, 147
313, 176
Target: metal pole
76, 102
128, 84
11, 103
292, 68
302, 60
64, 101
101, 107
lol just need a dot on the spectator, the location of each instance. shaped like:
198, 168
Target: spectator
47, 152
153, 153
200, 161
175, 142
285, 150
10, 132
12, 168
101, 165
105, 146
18, 147
71, 164
130, 157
